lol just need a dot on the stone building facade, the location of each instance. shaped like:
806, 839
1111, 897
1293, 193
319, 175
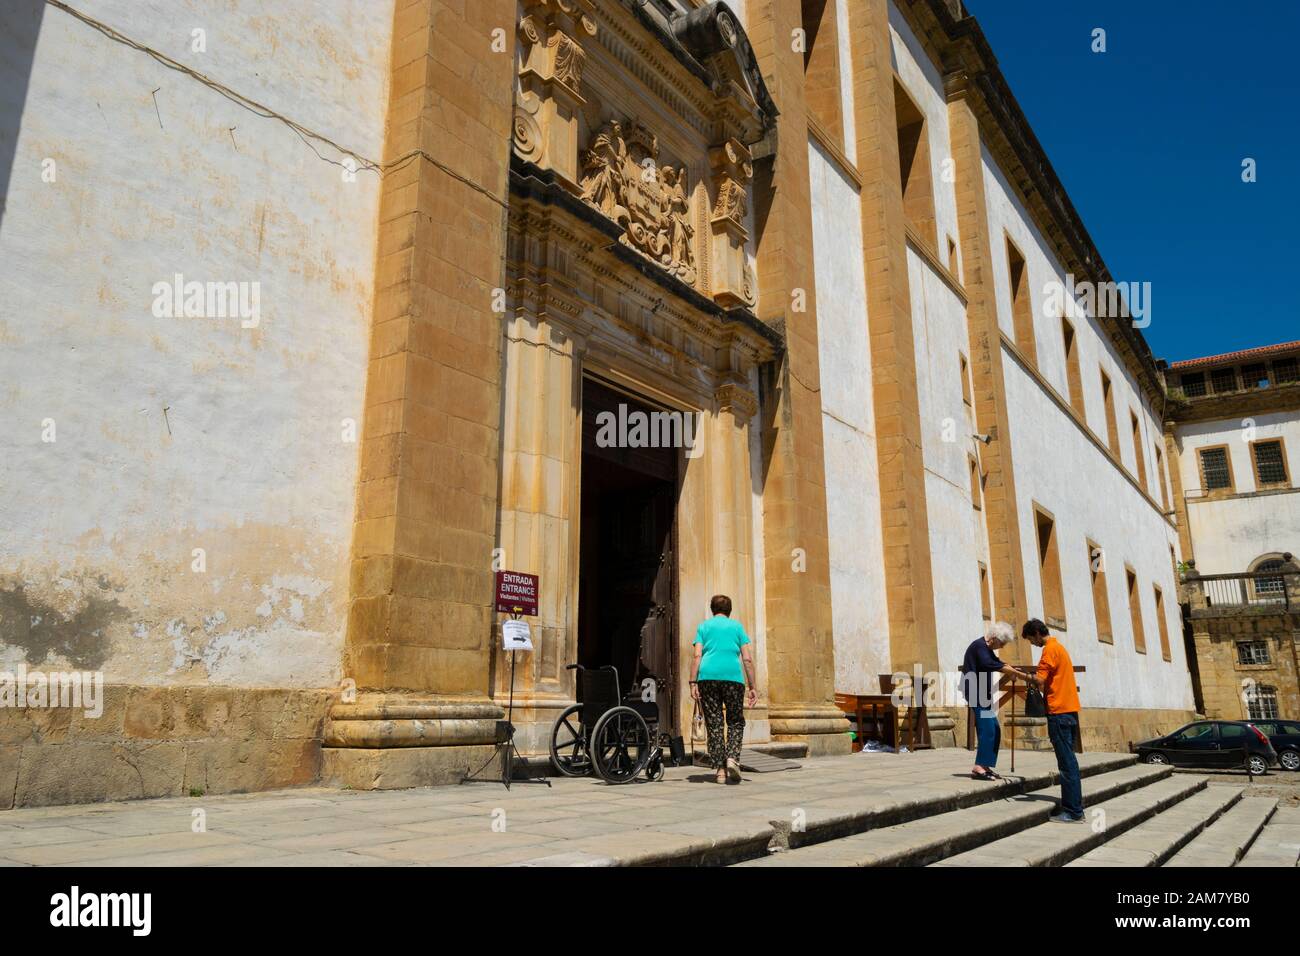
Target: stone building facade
820, 238
1233, 425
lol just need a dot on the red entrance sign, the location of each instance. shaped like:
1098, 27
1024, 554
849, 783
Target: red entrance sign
517, 593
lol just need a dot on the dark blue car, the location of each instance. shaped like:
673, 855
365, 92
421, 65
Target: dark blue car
1212, 744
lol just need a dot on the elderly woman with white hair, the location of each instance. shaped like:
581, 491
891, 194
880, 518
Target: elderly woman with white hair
978, 670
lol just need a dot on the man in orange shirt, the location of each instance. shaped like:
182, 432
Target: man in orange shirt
1056, 676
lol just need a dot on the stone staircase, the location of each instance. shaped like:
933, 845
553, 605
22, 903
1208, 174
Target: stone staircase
1137, 815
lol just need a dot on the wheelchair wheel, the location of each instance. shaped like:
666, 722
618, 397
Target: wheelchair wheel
620, 745
568, 747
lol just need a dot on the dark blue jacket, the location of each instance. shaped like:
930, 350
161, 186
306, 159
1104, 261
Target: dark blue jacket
980, 662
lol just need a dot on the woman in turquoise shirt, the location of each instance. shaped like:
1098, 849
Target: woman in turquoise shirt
718, 684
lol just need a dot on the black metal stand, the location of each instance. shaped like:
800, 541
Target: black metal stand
506, 748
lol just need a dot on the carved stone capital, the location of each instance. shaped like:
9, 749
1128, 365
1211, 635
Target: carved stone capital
735, 398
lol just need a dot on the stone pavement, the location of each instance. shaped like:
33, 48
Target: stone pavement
683, 819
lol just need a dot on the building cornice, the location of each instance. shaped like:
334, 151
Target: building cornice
970, 69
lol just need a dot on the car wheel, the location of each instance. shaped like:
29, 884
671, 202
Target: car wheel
1258, 765
1289, 759
1155, 757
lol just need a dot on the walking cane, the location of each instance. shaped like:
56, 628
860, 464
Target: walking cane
1013, 724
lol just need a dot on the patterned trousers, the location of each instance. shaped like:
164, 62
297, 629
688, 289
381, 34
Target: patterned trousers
723, 704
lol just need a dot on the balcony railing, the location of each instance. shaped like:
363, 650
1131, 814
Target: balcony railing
1269, 590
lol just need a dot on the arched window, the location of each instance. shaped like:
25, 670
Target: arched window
1273, 587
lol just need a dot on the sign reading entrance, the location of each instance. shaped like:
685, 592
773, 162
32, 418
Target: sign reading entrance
517, 593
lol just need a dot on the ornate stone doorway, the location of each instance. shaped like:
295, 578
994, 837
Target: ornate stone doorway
627, 568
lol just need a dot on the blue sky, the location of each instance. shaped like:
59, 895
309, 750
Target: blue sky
1149, 139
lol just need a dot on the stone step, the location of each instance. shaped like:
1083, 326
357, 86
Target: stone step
1278, 844
870, 812
1224, 843
926, 839
1154, 842
1055, 844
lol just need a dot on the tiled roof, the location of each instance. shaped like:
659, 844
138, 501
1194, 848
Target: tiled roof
1227, 357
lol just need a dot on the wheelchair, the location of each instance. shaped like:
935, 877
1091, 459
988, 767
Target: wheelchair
618, 738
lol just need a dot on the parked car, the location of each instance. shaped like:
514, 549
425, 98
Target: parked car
1210, 744
1284, 735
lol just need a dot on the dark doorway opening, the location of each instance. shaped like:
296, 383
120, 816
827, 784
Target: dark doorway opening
627, 569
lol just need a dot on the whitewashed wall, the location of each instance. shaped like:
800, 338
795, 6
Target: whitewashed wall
1058, 468
860, 615
1008, 217
176, 434
1228, 535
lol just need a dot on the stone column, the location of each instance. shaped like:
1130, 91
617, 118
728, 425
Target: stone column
420, 621
800, 648
909, 578
1006, 564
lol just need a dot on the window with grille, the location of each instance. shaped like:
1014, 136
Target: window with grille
1193, 384
1270, 466
1223, 380
1261, 703
1252, 652
1255, 375
1270, 588
1286, 370
1214, 469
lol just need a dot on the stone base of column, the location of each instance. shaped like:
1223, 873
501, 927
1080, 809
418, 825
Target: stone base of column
389, 741
822, 729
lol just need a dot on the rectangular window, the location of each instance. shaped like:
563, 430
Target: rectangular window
1160, 471
821, 65
965, 378
1286, 370
1270, 464
914, 165
1049, 569
1136, 428
1135, 611
1193, 384
1254, 375
1108, 397
1100, 599
1072, 373
1253, 652
1261, 703
986, 601
1022, 307
1223, 380
976, 484
1162, 623
1216, 470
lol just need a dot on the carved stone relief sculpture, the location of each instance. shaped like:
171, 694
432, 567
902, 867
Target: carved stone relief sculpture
621, 177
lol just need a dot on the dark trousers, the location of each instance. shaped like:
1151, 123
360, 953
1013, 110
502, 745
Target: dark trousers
989, 734
723, 705
1061, 728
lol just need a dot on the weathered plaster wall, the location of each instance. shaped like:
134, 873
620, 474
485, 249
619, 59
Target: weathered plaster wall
1230, 533
176, 434
858, 605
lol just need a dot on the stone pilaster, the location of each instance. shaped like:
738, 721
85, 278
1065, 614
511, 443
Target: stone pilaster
909, 580
801, 675
1006, 564
420, 621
